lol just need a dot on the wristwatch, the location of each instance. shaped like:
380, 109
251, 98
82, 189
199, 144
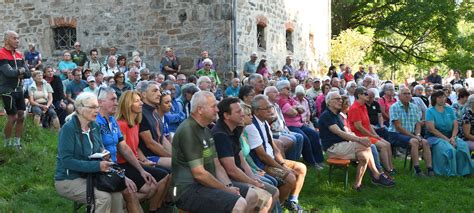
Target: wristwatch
229, 185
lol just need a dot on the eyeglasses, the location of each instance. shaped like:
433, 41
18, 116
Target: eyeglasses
265, 108
138, 61
166, 92
93, 107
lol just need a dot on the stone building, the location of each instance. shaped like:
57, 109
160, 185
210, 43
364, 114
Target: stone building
272, 28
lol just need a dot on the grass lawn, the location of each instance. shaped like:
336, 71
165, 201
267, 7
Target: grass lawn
26, 185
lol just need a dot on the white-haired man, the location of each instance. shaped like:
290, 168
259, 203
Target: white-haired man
250, 67
200, 182
340, 144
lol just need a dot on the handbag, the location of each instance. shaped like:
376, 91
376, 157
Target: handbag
111, 181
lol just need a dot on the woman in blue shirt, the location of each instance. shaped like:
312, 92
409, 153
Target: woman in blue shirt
450, 153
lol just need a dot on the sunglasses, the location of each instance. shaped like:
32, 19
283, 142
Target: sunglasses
166, 92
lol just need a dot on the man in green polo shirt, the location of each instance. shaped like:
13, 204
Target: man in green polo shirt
200, 183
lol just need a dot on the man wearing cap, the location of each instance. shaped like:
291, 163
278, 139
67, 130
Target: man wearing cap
78, 56
288, 66
250, 67
314, 91
92, 85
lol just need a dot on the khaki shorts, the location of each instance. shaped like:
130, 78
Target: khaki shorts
344, 150
263, 197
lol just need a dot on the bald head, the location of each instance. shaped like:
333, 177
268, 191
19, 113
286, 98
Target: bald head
11, 40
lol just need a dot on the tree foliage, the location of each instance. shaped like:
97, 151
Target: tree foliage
411, 32
350, 47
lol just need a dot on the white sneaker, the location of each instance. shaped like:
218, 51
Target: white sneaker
6, 142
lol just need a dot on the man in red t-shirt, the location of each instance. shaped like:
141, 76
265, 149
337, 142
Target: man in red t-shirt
359, 122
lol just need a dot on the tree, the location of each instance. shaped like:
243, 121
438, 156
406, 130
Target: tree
408, 32
350, 47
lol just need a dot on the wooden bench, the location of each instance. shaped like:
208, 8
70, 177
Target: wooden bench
336, 163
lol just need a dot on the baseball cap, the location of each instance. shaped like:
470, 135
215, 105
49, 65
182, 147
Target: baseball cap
325, 78
90, 78
316, 79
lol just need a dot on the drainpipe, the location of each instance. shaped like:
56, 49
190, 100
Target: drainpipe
234, 38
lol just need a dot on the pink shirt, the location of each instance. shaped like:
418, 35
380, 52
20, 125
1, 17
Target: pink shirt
387, 103
319, 102
286, 104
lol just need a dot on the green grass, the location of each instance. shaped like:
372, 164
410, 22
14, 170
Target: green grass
26, 185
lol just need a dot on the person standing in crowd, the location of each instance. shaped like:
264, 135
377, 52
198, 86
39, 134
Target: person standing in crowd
13, 70
433, 77
170, 63
360, 74
33, 58
469, 82
262, 68
450, 153
315, 89
457, 78
374, 75
78, 56
347, 75
112, 52
41, 99
301, 74
199, 179
207, 71
340, 144
288, 66
93, 64
73, 156
132, 78
405, 131
250, 67
204, 56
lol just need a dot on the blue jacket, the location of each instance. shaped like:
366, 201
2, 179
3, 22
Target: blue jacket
74, 149
175, 116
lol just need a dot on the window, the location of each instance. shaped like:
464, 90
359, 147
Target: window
289, 40
64, 37
261, 41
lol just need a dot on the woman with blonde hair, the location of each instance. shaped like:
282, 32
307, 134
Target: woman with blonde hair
129, 116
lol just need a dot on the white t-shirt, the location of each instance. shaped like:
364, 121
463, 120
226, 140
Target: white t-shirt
255, 140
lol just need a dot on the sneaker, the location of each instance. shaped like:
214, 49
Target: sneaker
420, 174
431, 173
6, 142
393, 172
383, 181
318, 167
293, 206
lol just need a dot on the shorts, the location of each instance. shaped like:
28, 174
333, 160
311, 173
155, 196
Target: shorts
14, 102
279, 174
399, 139
344, 150
200, 199
131, 172
36, 110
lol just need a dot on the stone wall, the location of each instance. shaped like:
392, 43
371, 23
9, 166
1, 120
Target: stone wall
188, 26
302, 17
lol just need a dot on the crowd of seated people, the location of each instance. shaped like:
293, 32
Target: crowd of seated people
191, 140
